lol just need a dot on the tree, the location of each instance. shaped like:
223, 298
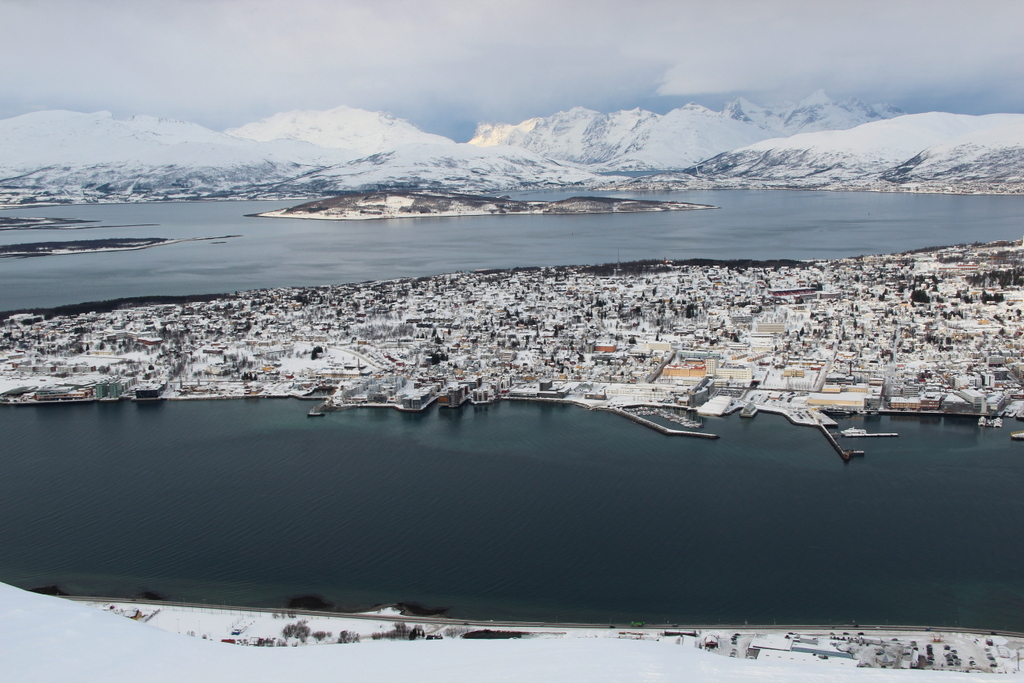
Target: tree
299, 629
919, 296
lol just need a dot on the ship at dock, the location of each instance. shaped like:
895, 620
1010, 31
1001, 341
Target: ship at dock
857, 432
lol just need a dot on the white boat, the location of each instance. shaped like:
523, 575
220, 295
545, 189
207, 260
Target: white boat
995, 422
856, 431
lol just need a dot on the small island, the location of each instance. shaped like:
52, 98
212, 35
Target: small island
379, 205
41, 223
26, 250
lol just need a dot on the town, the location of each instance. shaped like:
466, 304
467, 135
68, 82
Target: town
936, 331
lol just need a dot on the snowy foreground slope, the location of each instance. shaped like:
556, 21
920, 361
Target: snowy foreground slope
48, 639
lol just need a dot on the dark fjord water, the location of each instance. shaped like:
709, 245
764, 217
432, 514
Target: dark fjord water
517, 510
278, 252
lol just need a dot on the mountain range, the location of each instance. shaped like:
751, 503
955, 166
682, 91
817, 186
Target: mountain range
62, 156
642, 140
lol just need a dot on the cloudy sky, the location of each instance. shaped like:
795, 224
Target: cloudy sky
447, 64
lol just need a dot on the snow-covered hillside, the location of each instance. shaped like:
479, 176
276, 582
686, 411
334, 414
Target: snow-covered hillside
639, 140
451, 166
859, 154
78, 156
52, 640
363, 132
70, 156
993, 155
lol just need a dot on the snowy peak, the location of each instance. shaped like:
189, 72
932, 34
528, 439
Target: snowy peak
76, 156
359, 130
67, 138
628, 139
638, 140
816, 112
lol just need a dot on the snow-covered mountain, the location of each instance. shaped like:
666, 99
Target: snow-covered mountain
70, 156
860, 154
640, 140
993, 155
625, 140
76, 156
817, 112
447, 166
363, 132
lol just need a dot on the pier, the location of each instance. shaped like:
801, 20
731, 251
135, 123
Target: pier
843, 453
657, 427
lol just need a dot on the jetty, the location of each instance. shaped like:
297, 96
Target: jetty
844, 453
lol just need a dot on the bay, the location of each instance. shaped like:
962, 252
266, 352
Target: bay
516, 510
293, 252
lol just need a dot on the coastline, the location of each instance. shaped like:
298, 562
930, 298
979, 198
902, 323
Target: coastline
825, 648
393, 613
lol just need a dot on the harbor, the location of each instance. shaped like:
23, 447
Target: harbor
661, 429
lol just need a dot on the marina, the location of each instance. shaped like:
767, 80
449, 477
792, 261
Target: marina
636, 417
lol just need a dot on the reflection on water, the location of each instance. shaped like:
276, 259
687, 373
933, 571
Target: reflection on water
517, 510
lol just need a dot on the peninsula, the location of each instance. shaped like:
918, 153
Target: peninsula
936, 331
376, 205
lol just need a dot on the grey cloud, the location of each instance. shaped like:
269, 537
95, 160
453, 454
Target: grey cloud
445, 63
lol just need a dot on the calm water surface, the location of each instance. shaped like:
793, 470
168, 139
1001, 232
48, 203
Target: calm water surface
284, 252
516, 510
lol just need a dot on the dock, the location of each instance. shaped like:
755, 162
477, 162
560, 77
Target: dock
865, 436
843, 453
657, 427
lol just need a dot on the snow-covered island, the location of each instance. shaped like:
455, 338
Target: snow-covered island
25, 250
375, 205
